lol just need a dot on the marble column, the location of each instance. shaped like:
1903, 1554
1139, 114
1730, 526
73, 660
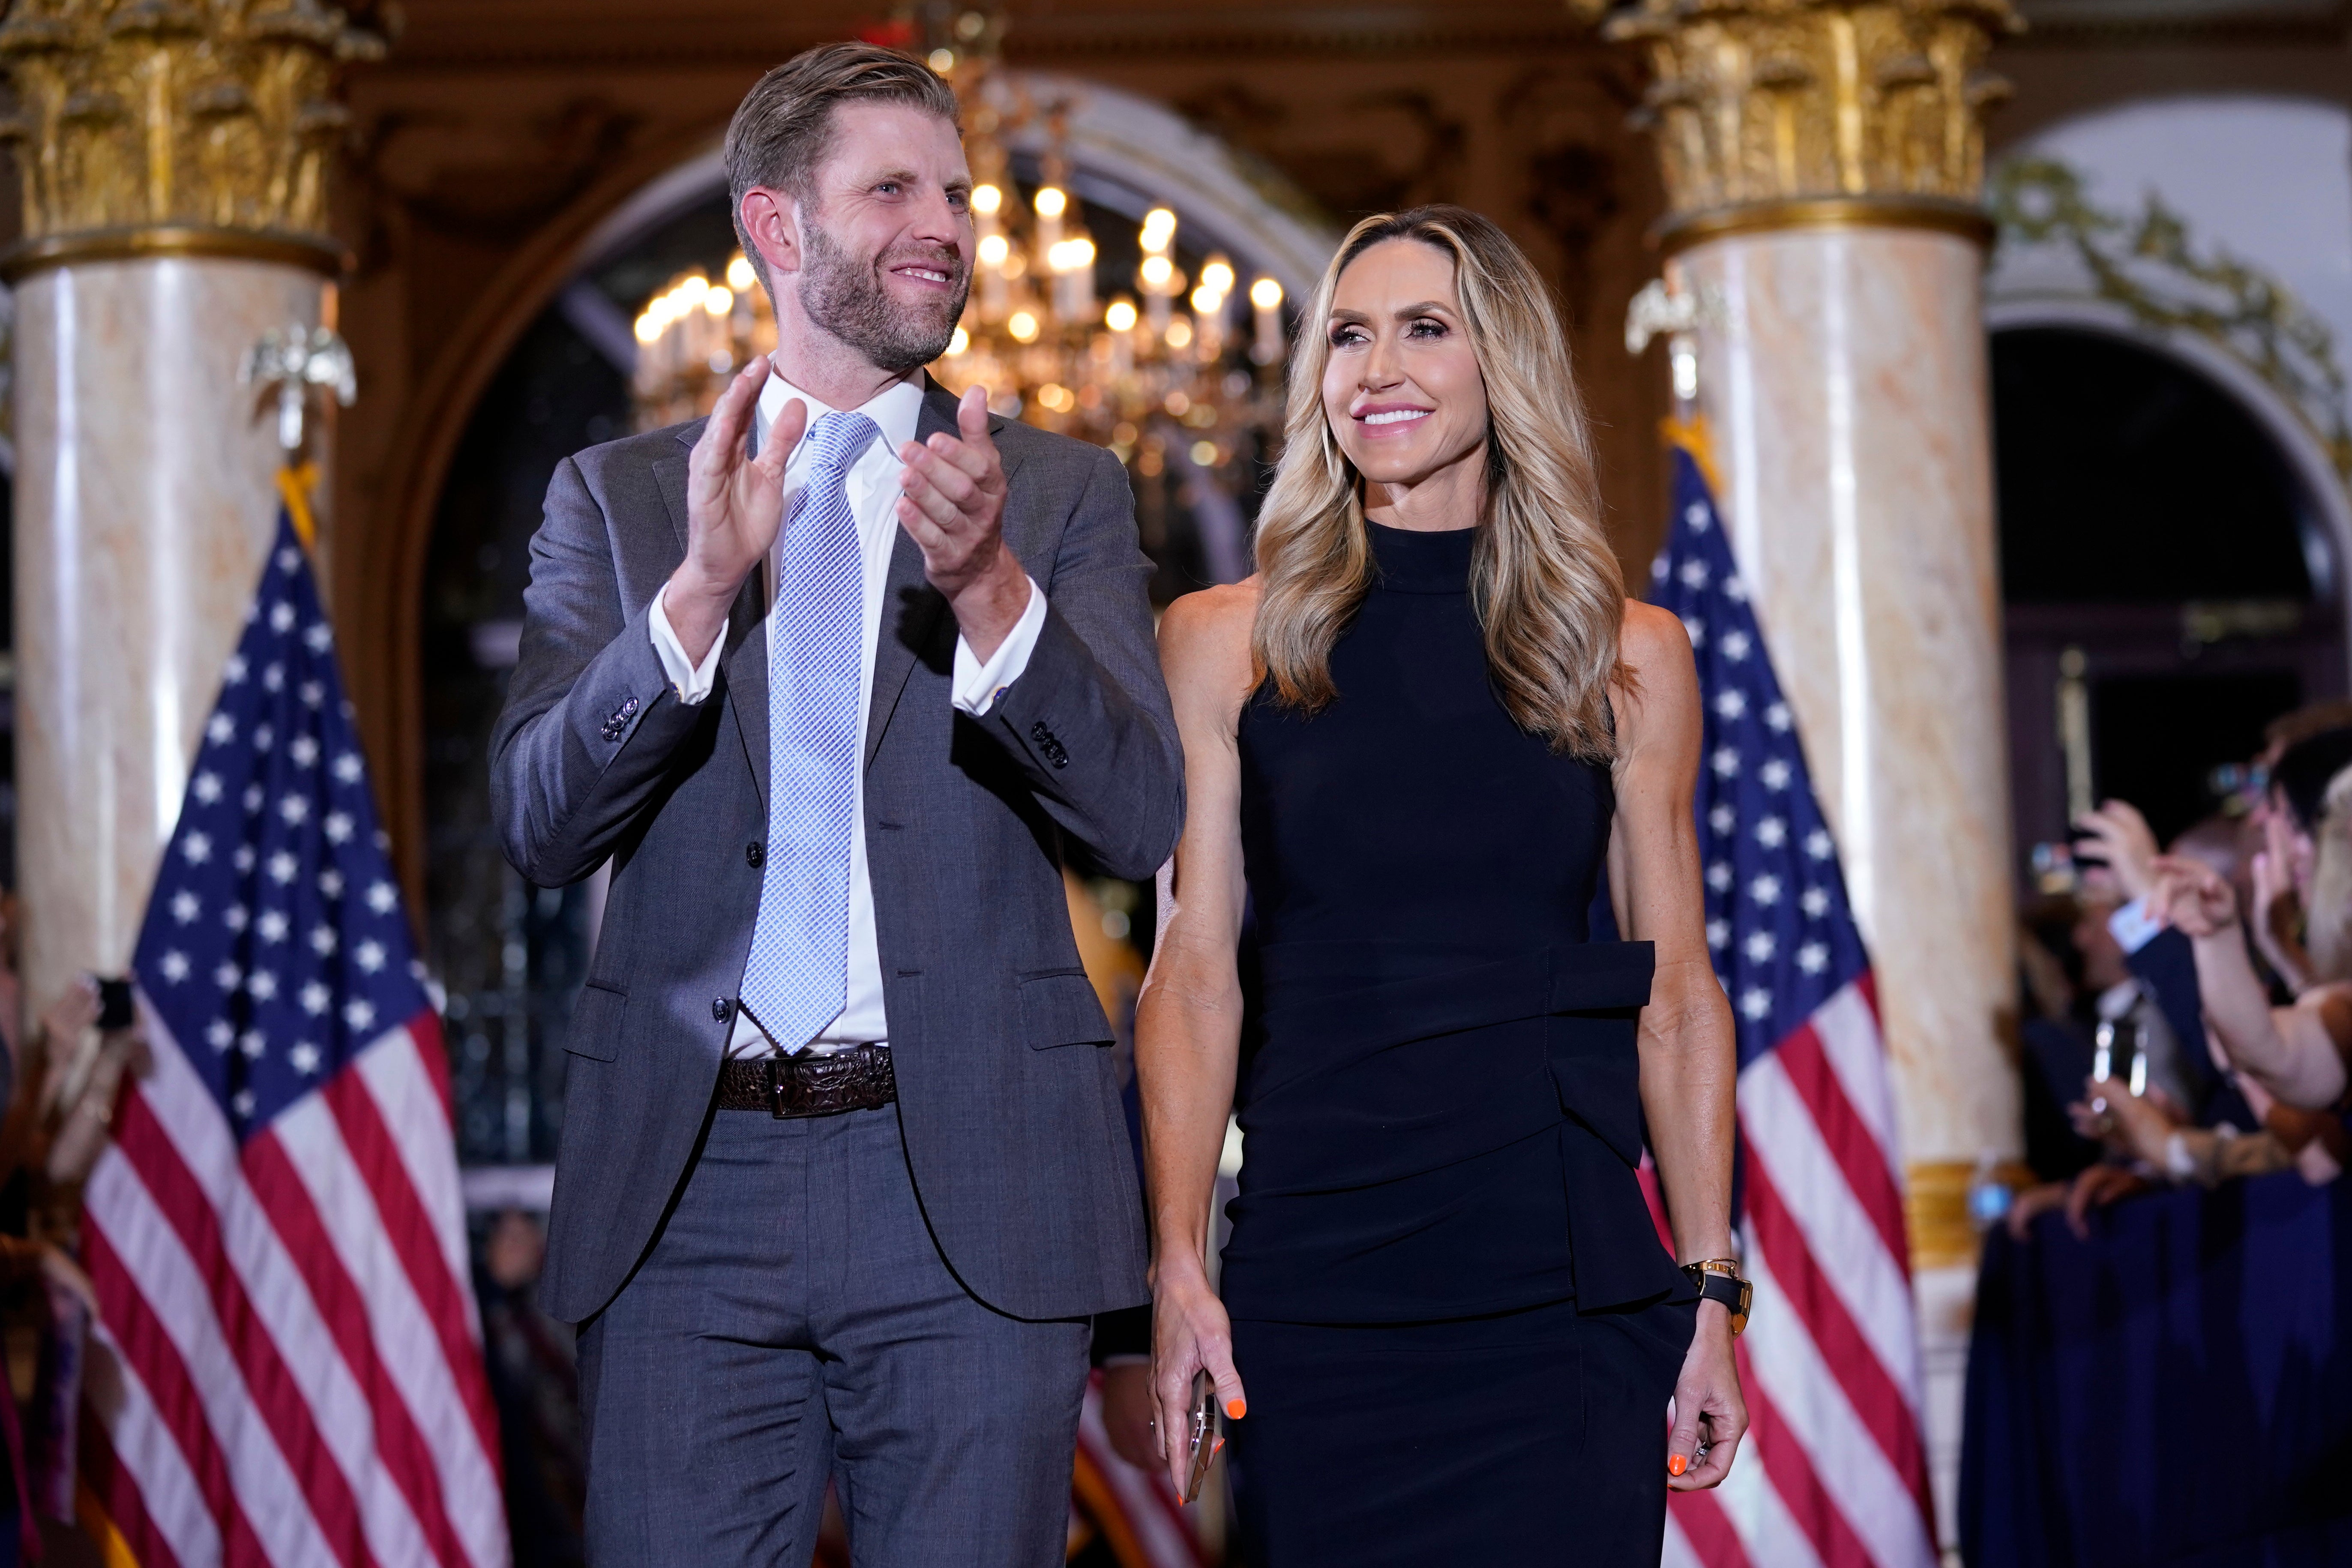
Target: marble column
1842, 380
1822, 164
174, 165
146, 502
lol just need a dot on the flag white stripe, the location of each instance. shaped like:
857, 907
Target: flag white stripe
1767, 1532
281, 1299
1679, 1553
144, 1446
1847, 1462
411, 1106
1849, 1250
1848, 1031
412, 1353
161, 1270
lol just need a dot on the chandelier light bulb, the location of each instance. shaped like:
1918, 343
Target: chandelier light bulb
1159, 228
647, 327
691, 293
1051, 202
994, 247
986, 199
719, 301
1180, 333
942, 60
1207, 301
1119, 315
1265, 293
740, 275
1217, 276
958, 343
1023, 326
1156, 272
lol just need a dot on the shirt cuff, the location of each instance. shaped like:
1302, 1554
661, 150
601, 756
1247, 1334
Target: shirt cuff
692, 682
978, 684
2132, 927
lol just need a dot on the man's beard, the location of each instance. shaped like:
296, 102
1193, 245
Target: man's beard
844, 294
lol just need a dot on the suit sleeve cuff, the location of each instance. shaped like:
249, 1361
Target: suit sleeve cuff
978, 684
2132, 927
693, 682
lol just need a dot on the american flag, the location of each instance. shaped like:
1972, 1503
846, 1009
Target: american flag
1834, 1470
287, 1367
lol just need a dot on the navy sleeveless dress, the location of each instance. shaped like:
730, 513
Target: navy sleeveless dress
1452, 1315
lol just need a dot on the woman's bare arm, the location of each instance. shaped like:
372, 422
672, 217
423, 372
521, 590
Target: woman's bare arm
1187, 1019
2296, 1053
1688, 1063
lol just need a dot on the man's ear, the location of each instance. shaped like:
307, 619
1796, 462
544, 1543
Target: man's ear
771, 220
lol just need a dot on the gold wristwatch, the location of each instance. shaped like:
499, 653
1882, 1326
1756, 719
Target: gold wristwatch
1718, 1279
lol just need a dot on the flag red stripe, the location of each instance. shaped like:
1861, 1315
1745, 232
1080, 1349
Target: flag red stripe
1847, 1137
1790, 1468
413, 1238
406, 1457
434, 1052
156, 1360
1708, 1528
1868, 1385
141, 1141
117, 1491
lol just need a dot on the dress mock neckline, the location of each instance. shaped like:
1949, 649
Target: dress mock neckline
1413, 561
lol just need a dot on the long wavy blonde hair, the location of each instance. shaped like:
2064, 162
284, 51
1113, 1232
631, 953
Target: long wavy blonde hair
1543, 580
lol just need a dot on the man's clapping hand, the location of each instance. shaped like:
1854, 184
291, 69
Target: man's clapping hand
734, 505
954, 508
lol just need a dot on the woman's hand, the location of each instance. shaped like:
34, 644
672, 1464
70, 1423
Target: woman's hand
2190, 896
1709, 1416
1190, 1332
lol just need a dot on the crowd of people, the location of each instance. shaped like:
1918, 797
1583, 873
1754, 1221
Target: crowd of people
2189, 1007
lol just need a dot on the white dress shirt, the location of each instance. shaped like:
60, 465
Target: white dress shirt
873, 487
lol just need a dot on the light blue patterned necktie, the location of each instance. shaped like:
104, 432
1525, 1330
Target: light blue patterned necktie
798, 975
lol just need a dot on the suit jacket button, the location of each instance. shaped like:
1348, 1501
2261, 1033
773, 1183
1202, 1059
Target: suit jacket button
755, 855
722, 1008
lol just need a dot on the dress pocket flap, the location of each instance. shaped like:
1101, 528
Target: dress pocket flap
595, 1028
1058, 1008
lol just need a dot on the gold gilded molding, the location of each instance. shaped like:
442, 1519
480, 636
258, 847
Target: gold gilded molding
1963, 219
1936, 1210
311, 252
1766, 100
192, 115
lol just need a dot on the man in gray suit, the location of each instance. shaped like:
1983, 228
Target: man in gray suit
834, 680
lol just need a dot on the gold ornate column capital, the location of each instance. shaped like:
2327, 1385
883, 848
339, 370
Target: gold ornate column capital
176, 127
1789, 114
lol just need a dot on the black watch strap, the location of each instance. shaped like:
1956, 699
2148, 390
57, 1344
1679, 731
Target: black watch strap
1733, 1292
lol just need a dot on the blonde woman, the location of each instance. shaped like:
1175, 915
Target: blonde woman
1414, 743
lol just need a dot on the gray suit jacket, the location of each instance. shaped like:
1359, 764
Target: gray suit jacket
1011, 1112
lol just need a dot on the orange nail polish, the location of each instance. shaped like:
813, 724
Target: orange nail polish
1676, 1464
1236, 1408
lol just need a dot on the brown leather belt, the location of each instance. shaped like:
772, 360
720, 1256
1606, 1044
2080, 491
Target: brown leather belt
857, 1078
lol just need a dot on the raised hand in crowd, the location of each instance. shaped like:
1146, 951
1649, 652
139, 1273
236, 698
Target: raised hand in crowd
2296, 1053
2276, 918
86, 1065
2118, 836
2096, 1187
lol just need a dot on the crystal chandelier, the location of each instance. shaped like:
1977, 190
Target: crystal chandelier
1156, 351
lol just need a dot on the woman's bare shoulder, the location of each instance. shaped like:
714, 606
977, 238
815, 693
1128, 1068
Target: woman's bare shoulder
1651, 640
1206, 636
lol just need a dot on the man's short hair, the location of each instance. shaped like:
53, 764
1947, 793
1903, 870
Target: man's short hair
783, 126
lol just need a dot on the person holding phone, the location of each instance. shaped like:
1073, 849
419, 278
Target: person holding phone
1416, 742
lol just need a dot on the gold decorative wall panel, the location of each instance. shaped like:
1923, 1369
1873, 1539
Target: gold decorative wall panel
1764, 102
184, 115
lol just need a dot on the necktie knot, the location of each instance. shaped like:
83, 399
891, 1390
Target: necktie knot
838, 441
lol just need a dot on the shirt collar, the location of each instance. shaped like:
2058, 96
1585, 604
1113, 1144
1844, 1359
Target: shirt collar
895, 410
